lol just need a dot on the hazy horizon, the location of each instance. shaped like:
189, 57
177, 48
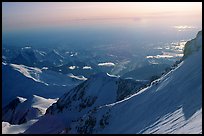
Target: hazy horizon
92, 23
22, 15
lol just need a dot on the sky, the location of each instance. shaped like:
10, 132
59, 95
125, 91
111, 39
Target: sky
22, 15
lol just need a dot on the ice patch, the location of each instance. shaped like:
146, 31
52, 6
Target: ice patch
75, 54
44, 68
112, 75
77, 77
87, 67
72, 67
4, 63
27, 47
108, 64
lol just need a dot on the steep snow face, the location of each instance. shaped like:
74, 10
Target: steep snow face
21, 110
100, 89
172, 104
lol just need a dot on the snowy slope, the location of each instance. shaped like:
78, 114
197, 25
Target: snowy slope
100, 89
172, 104
21, 113
46, 76
19, 80
21, 110
16, 129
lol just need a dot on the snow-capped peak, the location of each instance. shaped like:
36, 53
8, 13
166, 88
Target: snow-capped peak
21, 99
21, 110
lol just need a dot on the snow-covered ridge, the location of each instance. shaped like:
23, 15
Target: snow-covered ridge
21, 110
7, 128
100, 85
172, 104
99, 89
21, 99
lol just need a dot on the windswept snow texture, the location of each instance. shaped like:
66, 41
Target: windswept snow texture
172, 104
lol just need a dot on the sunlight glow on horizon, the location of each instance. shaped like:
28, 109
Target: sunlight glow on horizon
184, 27
31, 14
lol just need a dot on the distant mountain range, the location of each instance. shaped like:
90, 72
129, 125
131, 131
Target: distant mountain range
73, 62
